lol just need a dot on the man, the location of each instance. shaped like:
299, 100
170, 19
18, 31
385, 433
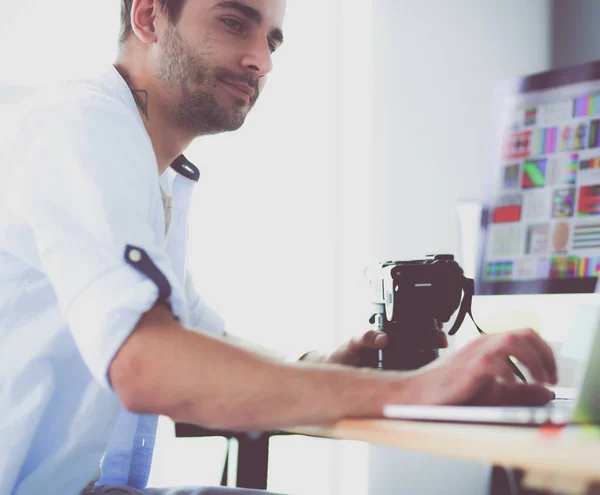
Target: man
97, 311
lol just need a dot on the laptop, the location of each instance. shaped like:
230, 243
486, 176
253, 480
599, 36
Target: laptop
572, 405
539, 229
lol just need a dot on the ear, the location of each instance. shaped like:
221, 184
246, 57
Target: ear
143, 19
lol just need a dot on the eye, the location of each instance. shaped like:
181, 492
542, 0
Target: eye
233, 24
272, 47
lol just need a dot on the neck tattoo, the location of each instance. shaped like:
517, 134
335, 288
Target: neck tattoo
141, 100
140, 96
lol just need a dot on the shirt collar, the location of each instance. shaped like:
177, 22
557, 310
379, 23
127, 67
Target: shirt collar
181, 165
184, 167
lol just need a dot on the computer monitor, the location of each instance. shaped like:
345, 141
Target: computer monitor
540, 227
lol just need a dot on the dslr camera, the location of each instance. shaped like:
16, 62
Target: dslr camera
409, 298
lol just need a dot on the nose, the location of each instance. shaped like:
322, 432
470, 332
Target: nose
257, 59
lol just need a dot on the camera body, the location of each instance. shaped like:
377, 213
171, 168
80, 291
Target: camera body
409, 298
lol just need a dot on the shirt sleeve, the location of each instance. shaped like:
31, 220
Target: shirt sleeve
87, 189
201, 316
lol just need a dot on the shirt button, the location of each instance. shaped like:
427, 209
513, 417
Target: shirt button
135, 256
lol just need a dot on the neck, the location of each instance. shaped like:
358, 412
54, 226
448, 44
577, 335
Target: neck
168, 140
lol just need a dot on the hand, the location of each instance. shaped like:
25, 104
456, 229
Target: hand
353, 351
479, 373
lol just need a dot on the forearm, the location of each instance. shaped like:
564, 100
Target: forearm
253, 347
310, 356
200, 379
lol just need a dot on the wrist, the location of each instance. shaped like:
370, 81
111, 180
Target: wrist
364, 392
375, 389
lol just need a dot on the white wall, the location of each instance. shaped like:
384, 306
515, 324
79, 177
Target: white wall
263, 222
43, 42
436, 62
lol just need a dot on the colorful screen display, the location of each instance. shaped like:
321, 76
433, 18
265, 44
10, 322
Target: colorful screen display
542, 222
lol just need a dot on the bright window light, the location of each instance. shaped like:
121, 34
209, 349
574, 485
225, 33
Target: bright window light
281, 220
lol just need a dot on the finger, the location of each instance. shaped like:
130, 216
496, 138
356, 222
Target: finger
380, 341
518, 344
546, 353
486, 393
349, 353
354, 345
443, 340
499, 368
522, 394
493, 370
440, 324
373, 340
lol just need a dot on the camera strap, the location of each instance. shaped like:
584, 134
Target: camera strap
465, 308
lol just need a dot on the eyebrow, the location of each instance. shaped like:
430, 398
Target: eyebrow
250, 13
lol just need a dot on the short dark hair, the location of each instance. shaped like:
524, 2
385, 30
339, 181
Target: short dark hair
173, 8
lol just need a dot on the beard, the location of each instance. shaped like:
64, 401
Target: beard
199, 110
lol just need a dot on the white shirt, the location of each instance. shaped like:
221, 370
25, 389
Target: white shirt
79, 185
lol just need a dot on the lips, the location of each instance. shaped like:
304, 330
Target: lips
242, 89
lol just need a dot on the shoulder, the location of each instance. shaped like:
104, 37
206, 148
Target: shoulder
80, 105
83, 125
77, 142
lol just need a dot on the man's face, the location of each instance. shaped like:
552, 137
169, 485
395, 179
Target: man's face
213, 63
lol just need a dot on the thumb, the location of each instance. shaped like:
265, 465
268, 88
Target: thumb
380, 340
373, 339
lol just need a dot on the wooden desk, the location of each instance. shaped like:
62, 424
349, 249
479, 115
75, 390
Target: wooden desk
558, 459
